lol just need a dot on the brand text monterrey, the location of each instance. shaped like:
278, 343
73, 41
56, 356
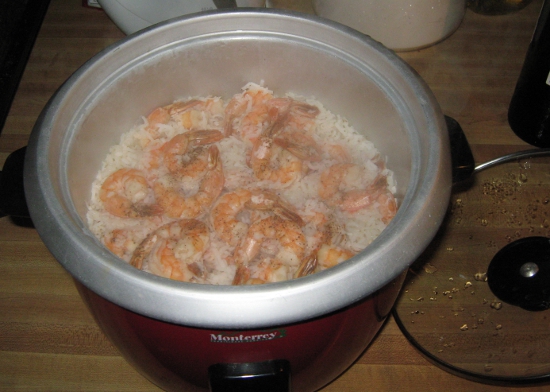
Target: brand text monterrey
246, 338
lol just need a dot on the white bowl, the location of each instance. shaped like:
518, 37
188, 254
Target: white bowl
133, 15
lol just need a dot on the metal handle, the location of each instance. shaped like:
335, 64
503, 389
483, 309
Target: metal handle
539, 152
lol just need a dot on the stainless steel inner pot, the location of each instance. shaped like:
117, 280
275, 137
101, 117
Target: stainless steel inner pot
217, 53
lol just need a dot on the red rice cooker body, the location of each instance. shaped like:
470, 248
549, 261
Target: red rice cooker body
177, 357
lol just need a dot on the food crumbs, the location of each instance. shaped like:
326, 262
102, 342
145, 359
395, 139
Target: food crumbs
481, 277
429, 268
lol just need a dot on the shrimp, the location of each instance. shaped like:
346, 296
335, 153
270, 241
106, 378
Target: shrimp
126, 193
250, 105
302, 116
280, 158
328, 256
280, 239
225, 213
180, 156
304, 110
121, 242
337, 152
262, 200
343, 185
328, 252
271, 162
196, 114
158, 116
387, 205
228, 215
177, 204
376, 194
182, 106
188, 113
268, 270
300, 145
163, 114
174, 250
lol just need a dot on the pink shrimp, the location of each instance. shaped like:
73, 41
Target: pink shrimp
234, 211
262, 200
328, 252
328, 256
182, 158
188, 113
271, 162
280, 239
300, 145
343, 185
248, 106
126, 193
225, 216
174, 250
158, 116
122, 242
177, 204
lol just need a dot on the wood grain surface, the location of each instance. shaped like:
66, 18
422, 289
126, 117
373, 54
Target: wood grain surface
49, 341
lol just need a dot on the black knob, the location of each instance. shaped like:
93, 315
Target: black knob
519, 273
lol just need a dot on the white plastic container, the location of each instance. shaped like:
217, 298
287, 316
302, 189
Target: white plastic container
133, 15
398, 24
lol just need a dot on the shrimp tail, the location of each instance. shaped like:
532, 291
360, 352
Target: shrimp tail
242, 275
143, 250
144, 210
308, 266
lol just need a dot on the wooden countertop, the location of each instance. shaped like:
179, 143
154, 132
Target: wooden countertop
49, 341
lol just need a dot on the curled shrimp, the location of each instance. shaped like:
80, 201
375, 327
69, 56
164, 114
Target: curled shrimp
158, 116
271, 162
174, 250
180, 155
225, 216
300, 145
196, 114
280, 158
246, 110
126, 193
330, 255
387, 205
262, 200
280, 239
122, 242
175, 202
328, 252
163, 114
343, 184
189, 113
229, 217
